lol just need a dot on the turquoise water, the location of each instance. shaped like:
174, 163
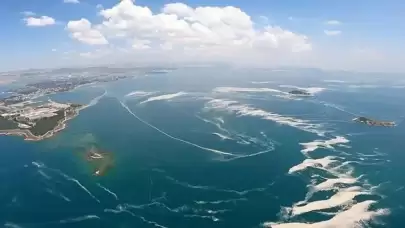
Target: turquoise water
171, 170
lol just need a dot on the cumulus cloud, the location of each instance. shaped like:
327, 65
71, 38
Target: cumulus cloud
71, 1
332, 32
333, 22
83, 31
224, 32
39, 21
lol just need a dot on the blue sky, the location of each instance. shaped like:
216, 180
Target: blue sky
376, 27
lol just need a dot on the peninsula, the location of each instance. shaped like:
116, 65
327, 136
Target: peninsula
371, 122
36, 121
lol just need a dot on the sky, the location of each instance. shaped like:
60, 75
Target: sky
361, 35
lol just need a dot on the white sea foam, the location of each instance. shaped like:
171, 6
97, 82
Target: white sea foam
353, 217
108, 190
317, 163
163, 97
42, 173
312, 146
139, 94
311, 90
80, 185
246, 110
38, 164
57, 194
211, 188
232, 201
79, 219
331, 183
175, 138
341, 198
11, 225
247, 90
223, 137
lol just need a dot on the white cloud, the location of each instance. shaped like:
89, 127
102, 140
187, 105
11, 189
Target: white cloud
332, 32
333, 22
223, 32
40, 21
53, 50
28, 13
141, 44
83, 31
71, 1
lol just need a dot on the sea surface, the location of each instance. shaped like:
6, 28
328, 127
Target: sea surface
216, 147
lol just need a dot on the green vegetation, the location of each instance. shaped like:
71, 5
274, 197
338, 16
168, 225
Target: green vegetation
46, 124
6, 124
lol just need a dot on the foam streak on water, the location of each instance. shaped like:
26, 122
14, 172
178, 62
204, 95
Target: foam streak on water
67, 177
163, 97
346, 188
108, 191
350, 218
175, 138
246, 110
79, 219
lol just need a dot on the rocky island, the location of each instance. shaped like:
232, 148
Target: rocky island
299, 92
100, 161
36, 121
371, 122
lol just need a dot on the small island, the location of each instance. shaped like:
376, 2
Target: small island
299, 92
36, 120
371, 122
100, 161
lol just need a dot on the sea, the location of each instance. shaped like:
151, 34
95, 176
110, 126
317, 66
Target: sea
216, 147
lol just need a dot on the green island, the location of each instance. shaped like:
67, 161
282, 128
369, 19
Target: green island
36, 121
371, 122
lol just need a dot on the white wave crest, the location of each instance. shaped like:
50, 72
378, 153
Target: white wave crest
38, 164
322, 163
163, 97
350, 218
341, 198
334, 81
312, 146
247, 90
79, 219
223, 137
139, 94
331, 183
246, 110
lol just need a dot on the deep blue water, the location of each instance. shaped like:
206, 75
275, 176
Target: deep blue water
170, 170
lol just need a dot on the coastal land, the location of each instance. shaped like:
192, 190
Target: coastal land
21, 114
36, 122
372, 122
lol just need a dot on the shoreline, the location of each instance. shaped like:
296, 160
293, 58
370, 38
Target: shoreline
62, 124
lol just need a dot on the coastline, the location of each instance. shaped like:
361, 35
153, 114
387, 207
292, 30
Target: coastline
62, 124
